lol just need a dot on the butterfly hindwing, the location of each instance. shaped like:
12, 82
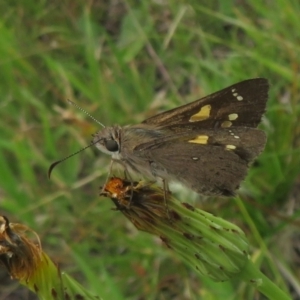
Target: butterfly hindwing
219, 157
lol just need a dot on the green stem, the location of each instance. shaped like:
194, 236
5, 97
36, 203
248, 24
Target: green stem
255, 277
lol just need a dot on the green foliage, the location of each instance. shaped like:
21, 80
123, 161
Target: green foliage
123, 61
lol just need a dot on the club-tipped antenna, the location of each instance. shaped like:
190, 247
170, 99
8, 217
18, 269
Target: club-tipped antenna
67, 157
84, 111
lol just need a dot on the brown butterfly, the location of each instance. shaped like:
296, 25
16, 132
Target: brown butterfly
208, 144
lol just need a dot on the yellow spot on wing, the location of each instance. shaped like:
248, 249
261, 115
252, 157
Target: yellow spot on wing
232, 117
200, 139
203, 114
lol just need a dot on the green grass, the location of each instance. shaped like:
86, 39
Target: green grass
123, 63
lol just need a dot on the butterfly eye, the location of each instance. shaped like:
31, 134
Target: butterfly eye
111, 145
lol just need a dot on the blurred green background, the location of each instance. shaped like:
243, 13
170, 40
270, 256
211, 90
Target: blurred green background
123, 61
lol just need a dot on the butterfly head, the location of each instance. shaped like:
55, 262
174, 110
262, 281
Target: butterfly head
107, 140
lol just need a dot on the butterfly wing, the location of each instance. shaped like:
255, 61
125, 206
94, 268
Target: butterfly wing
241, 104
209, 161
207, 144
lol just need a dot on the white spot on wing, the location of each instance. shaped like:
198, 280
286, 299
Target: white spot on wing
236, 95
230, 147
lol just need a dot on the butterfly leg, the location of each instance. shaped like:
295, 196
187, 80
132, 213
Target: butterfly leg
128, 177
166, 192
108, 176
157, 172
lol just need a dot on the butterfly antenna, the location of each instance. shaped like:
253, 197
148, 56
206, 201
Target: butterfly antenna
69, 156
84, 111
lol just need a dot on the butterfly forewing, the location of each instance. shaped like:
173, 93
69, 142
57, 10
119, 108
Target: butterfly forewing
241, 104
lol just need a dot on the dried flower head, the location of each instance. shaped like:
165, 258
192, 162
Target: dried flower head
212, 246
